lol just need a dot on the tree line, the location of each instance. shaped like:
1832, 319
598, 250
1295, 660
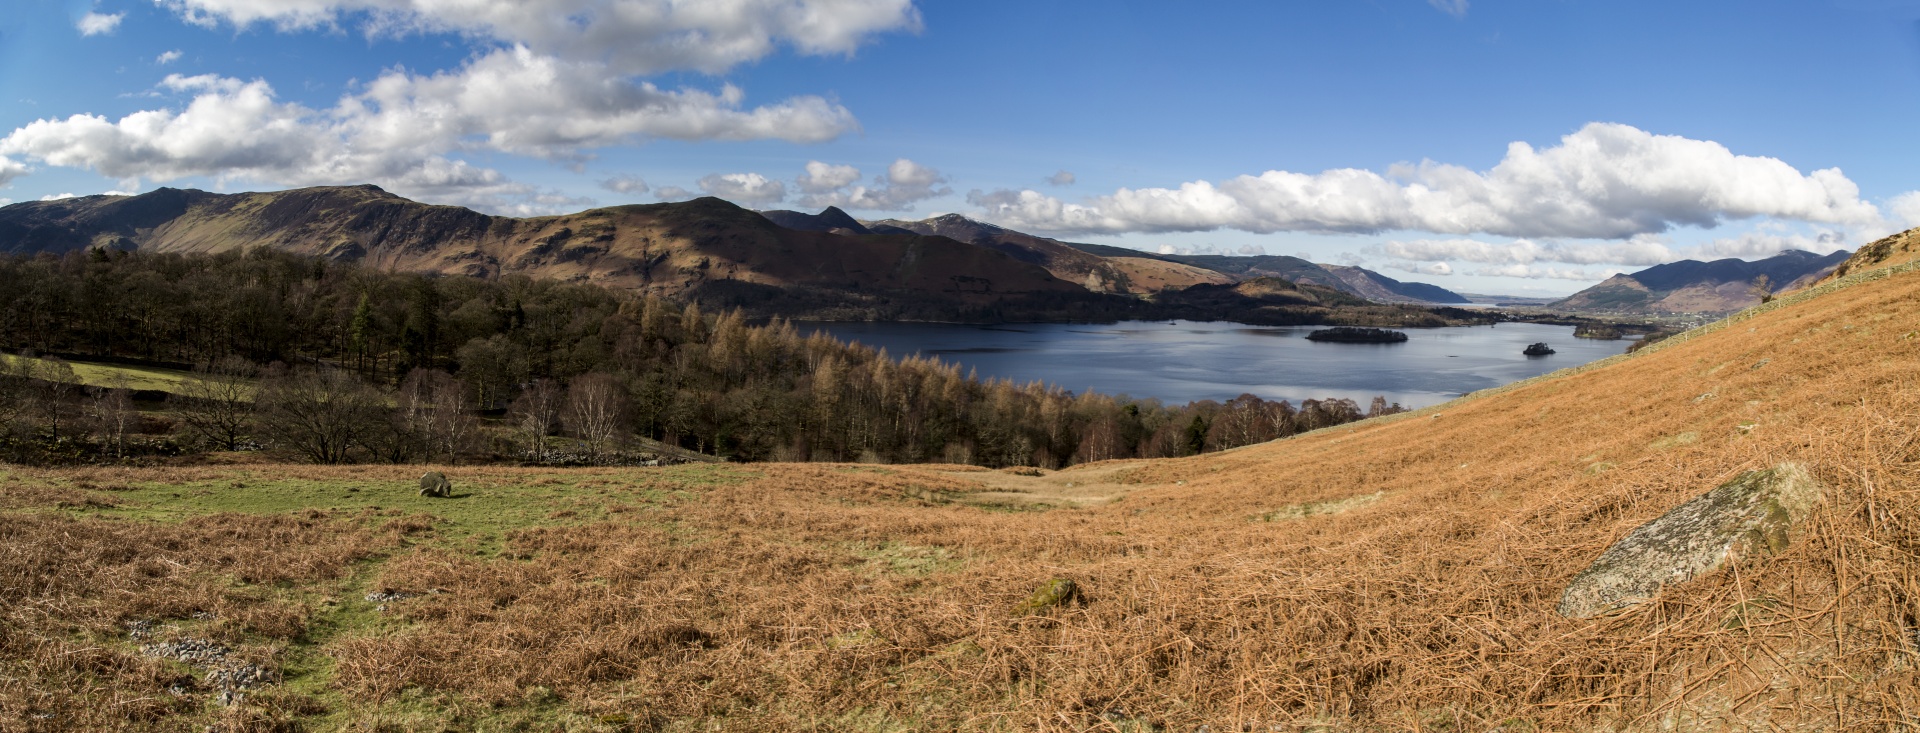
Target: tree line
340, 362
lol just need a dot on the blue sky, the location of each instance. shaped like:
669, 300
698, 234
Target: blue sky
1514, 147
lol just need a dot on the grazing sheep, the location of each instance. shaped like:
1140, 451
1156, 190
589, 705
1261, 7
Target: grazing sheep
435, 484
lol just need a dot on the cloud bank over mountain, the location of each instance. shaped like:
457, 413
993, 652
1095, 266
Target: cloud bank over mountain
549, 79
1604, 181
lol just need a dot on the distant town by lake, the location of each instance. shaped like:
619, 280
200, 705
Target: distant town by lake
1183, 361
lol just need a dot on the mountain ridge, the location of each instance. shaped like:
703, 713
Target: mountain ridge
1695, 286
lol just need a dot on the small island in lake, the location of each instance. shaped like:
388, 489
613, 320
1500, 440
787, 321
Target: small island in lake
1355, 335
1539, 348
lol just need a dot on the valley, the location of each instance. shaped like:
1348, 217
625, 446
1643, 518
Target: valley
1344, 579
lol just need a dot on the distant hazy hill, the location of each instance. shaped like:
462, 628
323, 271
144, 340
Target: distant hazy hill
1375, 286
1354, 280
830, 219
1100, 274
1692, 286
669, 249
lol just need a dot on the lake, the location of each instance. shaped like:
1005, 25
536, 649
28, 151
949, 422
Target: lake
1183, 361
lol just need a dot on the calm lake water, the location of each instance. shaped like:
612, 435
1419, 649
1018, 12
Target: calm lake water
1183, 361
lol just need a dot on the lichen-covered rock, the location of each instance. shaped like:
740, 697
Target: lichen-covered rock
1752, 515
1056, 592
435, 484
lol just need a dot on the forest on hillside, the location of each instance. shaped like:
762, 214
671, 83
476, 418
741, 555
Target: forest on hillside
336, 362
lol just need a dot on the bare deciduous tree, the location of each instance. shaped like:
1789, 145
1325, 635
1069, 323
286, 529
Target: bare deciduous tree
113, 417
13, 392
321, 413
597, 411
433, 407
58, 385
537, 414
217, 405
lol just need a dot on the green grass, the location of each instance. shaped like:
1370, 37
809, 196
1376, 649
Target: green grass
486, 508
120, 375
482, 511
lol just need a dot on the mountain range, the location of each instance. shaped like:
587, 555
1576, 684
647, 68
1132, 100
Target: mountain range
1692, 286
1105, 268
827, 265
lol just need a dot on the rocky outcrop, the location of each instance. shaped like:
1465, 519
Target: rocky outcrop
1756, 514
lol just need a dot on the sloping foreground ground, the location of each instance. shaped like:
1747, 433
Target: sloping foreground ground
1399, 574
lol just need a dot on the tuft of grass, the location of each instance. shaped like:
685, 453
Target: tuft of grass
1319, 508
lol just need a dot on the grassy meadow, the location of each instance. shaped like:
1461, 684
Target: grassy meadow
115, 376
1394, 574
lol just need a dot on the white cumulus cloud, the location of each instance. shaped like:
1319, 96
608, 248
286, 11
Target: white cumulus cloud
824, 178
1637, 250
672, 193
629, 36
625, 184
11, 169
746, 189
400, 131
904, 184
56, 196
1762, 244
98, 24
1455, 8
1535, 272
1906, 208
1063, 178
1604, 181
1420, 268
167, 57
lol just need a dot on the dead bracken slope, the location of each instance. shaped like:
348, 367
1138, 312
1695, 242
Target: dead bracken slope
1399, 574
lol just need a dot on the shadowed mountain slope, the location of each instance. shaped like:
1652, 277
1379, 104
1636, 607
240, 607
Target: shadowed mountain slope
1101, 274
668, 249
1692, 286
1377, 287
830, 219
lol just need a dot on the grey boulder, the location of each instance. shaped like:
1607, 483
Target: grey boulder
1756, 514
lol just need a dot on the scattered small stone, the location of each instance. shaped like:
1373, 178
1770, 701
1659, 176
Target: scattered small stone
389, 595
241, 677
139, 629
191, 651
205, 615
1760, 363
1704, 397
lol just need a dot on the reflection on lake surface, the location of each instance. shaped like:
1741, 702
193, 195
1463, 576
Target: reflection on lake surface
1184, 361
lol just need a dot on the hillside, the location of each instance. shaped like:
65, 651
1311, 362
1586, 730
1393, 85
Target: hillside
1353, 280
675, 250
830, 219
1136, 275
1692, 286
1395, 574
1380, 288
